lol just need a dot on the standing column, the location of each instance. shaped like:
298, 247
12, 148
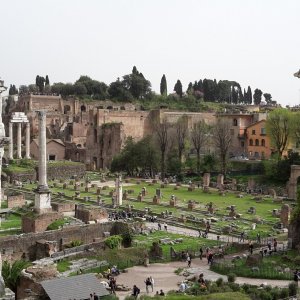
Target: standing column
27, 155
19, 141
42, 149
11, 144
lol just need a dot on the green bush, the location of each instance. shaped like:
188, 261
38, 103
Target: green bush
113, 242
76, 243
293, 289
297, 260
219, 281
231, 277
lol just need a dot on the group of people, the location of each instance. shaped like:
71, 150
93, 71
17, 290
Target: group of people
159, 226
149, 282
271, 247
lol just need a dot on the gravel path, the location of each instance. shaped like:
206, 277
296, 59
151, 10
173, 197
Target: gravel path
167, 280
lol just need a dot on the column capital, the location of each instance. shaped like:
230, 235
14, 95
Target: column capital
41, 114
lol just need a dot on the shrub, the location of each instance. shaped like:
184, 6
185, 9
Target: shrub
297, 260
284, 293
293, 289
113, 242
231, 277
76, 243
219, 281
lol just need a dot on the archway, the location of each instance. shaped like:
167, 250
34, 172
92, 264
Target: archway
292, 183
67, 108
83, 108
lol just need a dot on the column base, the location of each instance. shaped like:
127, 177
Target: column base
42, 201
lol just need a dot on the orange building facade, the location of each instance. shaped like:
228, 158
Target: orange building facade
257, 141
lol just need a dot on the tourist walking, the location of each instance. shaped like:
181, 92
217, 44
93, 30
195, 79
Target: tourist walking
200, 253
269, 245
189, 261
135, 291
242, 237
159, 226
210, 258
258, 238
166, 227
152, 282
112, 285
148, 283
275, 245
251, 248
296, 277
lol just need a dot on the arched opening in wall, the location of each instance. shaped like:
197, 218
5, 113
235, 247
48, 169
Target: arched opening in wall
263, 143
94, 166
67, 108
251, 142
78, 145
122, 107
109, 107
95, 135
77, 156
256, 142
235, 122
83, 108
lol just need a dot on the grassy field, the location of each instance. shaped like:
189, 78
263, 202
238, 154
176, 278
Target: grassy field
214, 296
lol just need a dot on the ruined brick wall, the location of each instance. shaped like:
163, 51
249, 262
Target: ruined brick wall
14, 246
15, 200
90, 214
54, 148
65, 170
39, 223
63, 206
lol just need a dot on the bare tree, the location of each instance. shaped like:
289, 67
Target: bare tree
279, 128
222, 141
161, 130
181, 135
199, 137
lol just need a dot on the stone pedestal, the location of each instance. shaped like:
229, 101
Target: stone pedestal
285, 215
173, 202
156, 200
140, 197
191, 205
206, 179
220, 181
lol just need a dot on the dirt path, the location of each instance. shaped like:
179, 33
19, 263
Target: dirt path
167, 280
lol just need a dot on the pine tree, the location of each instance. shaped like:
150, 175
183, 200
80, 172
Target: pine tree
163, 86
178, 88
190, 89
257, 96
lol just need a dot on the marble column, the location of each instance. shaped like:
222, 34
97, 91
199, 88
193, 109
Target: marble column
19, 141
27, 155
11, 144
42, 201
119, 192
42, 149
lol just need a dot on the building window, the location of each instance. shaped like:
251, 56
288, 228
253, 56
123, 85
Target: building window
263, 143
253, 131
256, 155
242, 144
263, 155
235, 122
232, 131
51, 157
256, 142
251, 142
263, 131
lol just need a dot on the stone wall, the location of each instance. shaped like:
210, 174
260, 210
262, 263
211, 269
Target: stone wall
14, 247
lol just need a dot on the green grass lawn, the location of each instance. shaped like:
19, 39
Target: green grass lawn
191, 244
267, 268
12, 221
263, 209
213, 296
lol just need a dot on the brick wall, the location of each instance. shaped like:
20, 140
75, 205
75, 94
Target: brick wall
15, 201
14, 247
63, 206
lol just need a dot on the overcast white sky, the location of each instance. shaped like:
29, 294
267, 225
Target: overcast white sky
255, 42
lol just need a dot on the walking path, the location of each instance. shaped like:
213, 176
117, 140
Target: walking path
195, 233
166, 279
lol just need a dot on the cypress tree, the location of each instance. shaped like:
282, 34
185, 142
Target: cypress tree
178, 88
47, 82
163, 86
